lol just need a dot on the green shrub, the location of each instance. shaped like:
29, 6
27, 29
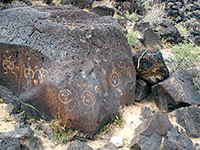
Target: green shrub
132, 16
131, 37
186, 54
183, 31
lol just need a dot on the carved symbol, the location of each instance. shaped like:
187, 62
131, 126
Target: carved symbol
28, 72
8, 64
97, 89
125, 68
65, 96
88, 98
115, 78
42, 72
179, 88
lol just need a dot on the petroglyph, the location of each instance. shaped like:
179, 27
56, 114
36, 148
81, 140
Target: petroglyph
179, 88
30, 73
114, 78
65, 96
8, 64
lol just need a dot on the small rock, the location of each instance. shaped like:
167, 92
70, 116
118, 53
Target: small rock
117, 141
77, 145
103, 11
11, 109
176, 91
108, 146
142, 90
141, 26
176, 140
150, 66
148, 135
146, 113
189, 119
150, 38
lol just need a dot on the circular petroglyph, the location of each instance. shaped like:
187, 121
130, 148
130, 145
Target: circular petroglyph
115, 79
65, 96
88, 98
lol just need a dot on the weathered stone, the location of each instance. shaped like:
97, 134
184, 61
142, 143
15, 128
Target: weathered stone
117, 141
142, 90
146, 112
16, 140
108, 146
141, 26
103, 10
176, 140
67, 63
150, 66
189, 118
176, 91
77, 145
82, 3
150, 38
149, 134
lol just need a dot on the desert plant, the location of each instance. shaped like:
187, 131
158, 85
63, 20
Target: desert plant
186, 54
183, 31
59, 134
119, 120
154, 13
6, 118
131, 17
131, 37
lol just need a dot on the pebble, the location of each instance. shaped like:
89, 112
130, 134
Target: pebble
117, 141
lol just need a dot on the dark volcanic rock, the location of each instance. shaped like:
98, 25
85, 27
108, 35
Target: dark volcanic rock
150, 38
77, 145
66, 63
189, 118
16, 140
108, 146
176, 140
176, 91
142, 90
82, 3
150, 66
171, 34
141, 26
149, 134
103, 11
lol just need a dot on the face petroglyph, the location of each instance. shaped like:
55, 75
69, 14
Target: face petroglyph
65, 96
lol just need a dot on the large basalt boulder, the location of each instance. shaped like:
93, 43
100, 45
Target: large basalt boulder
189, 118
150, 66
67, 63
175, 92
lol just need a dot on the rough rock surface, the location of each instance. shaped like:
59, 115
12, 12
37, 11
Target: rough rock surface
149, 134
15, 140
176, 140
150, 66
77, 145
176, 91
189, 119
103, 10
150, 38
157, 133
67, 63
142, 90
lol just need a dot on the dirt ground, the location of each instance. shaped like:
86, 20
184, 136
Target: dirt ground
131, 116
